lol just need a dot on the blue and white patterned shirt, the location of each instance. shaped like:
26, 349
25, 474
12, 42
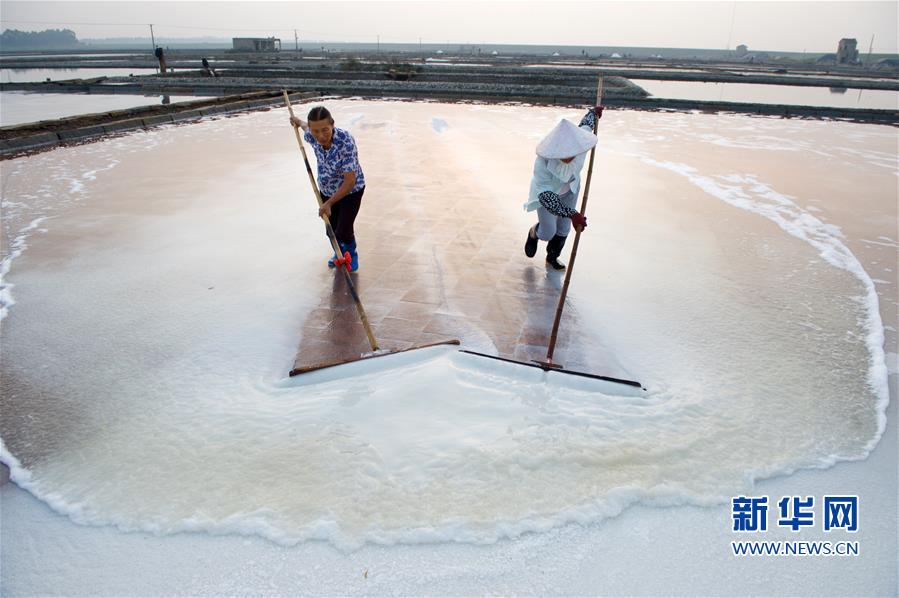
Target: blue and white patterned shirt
333, 162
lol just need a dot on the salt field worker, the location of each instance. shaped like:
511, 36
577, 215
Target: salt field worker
208, 70
340, 177
555, 185
160, 54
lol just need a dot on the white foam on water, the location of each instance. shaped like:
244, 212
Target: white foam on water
885, 242
765, 143
58, 191
373, 461
748, 193
17, 247
875, 158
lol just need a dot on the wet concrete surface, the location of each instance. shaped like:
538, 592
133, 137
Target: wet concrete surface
444, 284
441, 234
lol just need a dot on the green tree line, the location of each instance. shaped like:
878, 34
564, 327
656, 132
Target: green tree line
13, 39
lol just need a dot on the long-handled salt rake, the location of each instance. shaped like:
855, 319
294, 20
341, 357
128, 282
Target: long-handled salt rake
343, 264
549, 364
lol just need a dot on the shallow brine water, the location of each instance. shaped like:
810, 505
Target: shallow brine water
20, 107
155, 287
773, 94
19, 75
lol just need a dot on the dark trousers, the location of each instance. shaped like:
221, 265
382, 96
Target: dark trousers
343, 215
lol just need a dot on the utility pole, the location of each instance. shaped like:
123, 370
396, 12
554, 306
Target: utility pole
296, 43
153, 42
870, 49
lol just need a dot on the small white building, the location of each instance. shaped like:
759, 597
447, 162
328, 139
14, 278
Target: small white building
847, 51
256, 44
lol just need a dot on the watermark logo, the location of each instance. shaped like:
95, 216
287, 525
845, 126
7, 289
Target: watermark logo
796, 512
841, 512
750, 515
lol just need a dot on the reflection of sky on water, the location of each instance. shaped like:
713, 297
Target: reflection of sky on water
52, 56
772, 94
34, 75
18, 107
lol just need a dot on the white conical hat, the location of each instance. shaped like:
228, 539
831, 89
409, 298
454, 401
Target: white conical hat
565, 141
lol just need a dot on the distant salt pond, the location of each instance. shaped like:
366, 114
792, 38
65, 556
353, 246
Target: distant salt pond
19, 107
52, 56
772, 94
37, 75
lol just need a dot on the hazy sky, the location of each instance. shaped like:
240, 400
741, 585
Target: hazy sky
790, 26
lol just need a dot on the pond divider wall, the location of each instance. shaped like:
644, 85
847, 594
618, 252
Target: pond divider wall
42, 135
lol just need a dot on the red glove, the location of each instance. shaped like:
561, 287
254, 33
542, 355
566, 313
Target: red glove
597, 110
579, 221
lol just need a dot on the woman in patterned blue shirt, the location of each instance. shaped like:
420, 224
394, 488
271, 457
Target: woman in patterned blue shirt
340, 176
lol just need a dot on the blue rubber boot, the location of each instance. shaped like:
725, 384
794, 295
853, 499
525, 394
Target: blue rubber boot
354, 256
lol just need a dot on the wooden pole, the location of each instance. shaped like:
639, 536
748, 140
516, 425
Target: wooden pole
153, 43
333, 238
577, 237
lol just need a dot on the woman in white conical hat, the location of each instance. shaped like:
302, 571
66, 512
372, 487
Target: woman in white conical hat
555, 185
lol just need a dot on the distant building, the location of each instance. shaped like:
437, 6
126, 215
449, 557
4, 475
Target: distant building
847, 51
742, 50
256, 44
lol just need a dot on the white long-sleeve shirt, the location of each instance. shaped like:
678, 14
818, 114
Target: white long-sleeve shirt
544, 179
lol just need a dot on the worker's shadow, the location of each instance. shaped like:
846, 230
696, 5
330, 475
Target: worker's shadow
346, 328
542, 287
